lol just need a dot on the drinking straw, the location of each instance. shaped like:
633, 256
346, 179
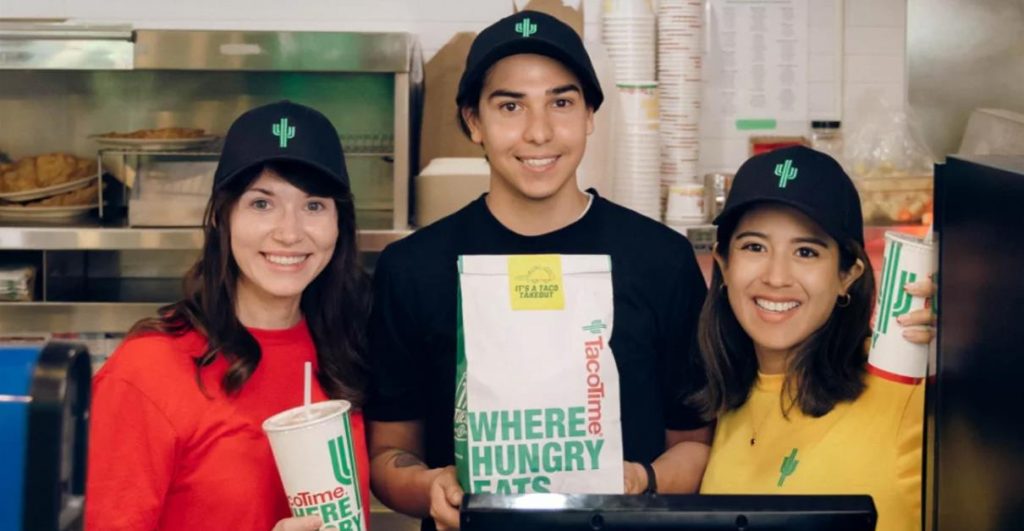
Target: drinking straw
307, 385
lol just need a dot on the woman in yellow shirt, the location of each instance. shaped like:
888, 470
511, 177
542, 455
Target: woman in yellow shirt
782, 338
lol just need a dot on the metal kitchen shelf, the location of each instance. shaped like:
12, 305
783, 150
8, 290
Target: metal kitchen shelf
110, 239
21, 317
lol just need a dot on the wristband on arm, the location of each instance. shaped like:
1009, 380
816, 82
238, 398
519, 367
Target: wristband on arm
652, 479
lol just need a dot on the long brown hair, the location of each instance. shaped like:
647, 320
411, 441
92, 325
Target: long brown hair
827, 368
335, 305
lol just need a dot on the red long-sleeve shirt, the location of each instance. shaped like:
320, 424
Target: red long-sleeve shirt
162, 455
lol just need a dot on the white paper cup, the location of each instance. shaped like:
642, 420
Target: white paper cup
906, 259
315, 456
685, 201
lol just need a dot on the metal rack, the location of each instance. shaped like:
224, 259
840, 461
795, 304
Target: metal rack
64, 83
61, 316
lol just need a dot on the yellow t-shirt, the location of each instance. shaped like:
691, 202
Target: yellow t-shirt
869, 446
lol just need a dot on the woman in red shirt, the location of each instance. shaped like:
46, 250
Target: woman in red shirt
175, 435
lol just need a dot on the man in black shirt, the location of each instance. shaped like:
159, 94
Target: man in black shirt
528, 96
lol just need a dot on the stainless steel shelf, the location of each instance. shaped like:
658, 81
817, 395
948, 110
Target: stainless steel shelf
101, 238
21, 317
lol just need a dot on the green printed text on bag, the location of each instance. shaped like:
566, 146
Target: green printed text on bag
537, 395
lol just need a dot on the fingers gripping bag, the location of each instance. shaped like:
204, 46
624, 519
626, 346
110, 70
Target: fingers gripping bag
537, 388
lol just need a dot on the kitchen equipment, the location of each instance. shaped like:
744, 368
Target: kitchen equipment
66, 87
557, 512
716, 189
44, 403
64, 83
974, 439
993, 132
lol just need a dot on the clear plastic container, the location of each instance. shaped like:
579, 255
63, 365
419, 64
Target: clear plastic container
827, 137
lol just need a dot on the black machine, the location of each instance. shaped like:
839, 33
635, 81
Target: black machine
44, 400
974, 473
559, 512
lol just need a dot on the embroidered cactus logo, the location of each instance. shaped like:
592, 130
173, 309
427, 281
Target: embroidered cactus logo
341, 460
595, 327
789, 464
892, 300
284, 132
785, 172
525, 28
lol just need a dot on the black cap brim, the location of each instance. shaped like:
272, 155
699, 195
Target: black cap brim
229, 178
733, 214
474, 79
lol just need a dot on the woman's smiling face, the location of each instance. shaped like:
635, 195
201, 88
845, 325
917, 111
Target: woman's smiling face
281, 237
782, 277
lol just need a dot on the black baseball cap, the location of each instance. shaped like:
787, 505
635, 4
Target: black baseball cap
527, 32
283, 131
800, 177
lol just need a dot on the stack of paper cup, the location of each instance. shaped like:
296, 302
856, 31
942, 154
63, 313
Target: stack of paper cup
685, 206
680, 29
906, 259
637, 148
628, 32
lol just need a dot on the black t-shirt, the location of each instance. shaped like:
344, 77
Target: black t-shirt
658, 292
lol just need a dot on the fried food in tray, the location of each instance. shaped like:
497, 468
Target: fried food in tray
43, 171
81, 197
164, 133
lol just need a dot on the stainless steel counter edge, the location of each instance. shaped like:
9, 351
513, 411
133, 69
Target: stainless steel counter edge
97, 238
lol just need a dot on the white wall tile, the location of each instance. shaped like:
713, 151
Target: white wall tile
822, 39
33, 8
874, 69
824, 101
822, 68
891, 13
867, 40
721, 154
861, 99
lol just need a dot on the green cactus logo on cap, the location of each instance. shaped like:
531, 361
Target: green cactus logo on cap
789, 464
284, 132
525, 28
785, 172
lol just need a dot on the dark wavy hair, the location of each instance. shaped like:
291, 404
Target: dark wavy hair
335, 305
828, 367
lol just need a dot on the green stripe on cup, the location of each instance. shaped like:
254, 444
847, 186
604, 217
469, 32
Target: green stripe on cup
355, 477
752, 124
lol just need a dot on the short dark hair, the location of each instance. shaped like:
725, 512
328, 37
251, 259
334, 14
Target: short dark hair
335, 304
828, 368
473, 104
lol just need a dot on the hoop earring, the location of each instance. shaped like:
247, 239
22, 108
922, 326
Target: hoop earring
844, 300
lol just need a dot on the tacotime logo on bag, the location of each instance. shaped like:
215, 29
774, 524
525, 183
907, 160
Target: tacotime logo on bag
592, 350
339, 508
535, 282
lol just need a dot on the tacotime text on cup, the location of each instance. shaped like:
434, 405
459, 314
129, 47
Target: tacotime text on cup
315, 456
906, 259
